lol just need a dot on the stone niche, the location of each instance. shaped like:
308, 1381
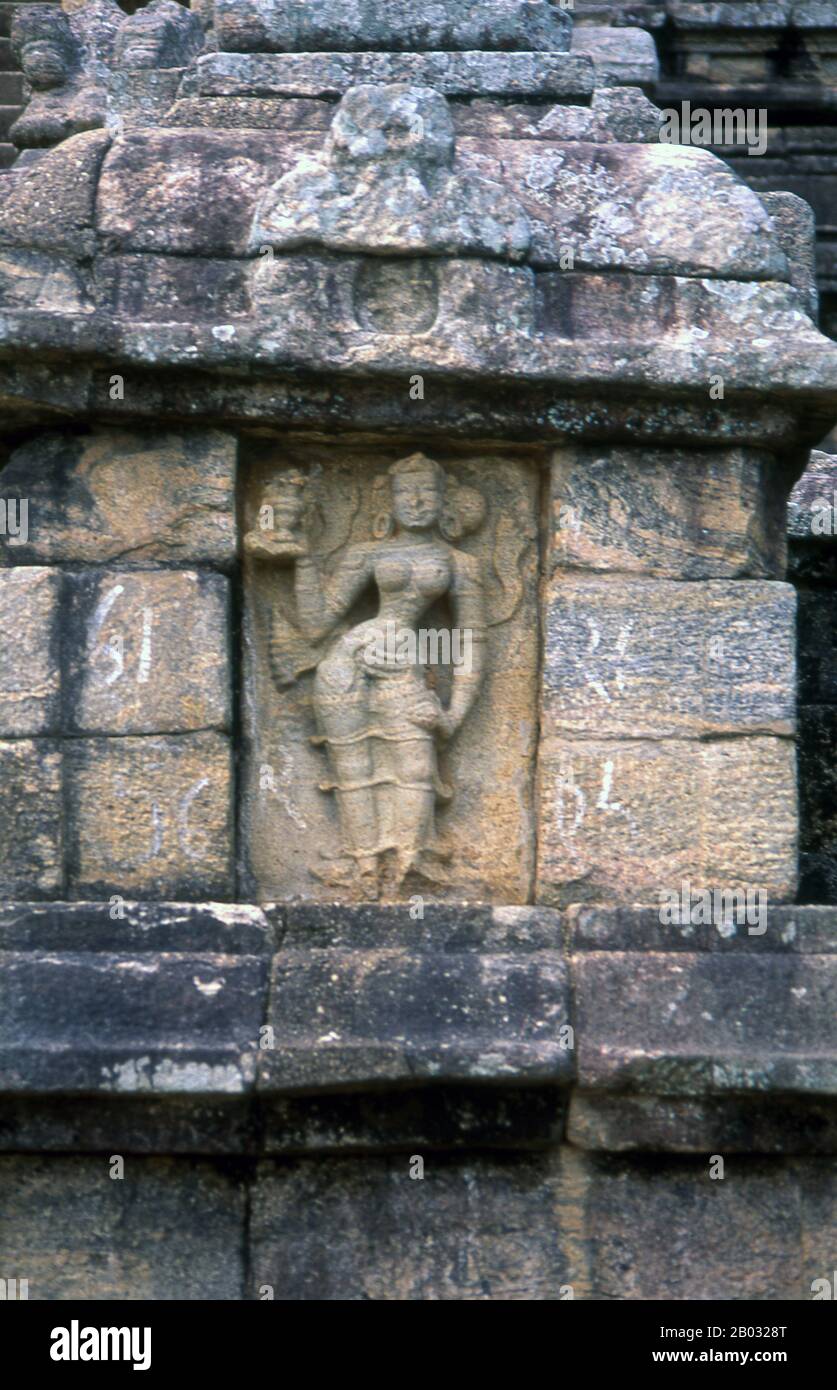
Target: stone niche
450, 815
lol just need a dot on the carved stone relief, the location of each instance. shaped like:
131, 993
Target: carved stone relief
390, 670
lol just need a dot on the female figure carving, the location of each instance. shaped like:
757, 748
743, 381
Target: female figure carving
378, 716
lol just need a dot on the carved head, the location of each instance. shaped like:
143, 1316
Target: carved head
423, 497
392, 124
163, 35
44, 45
418, 492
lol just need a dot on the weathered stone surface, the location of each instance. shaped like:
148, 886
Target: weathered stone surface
707, 1125
63, 53
411, 1118
540, 1228
537, 76
142, 499
30, 670
686, 1024
622, 820
87, 65
652, 208
648, 658
174, 289
311, 1224
34, 280
385, 183
620, 56
615, 115
251, 113
160, 35
395, 1007
148, 652
620, 206
796, 229
677, 514
664, 1229
132, 1011
168, 1230
334, 26
49, 205
812, 506
126, 926
806, 930
150, 817
30, 819
204, 203
439, 928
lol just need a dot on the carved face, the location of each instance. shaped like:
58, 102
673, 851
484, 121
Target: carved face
44, 64
417, 500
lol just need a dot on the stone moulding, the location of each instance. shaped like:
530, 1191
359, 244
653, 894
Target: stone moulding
471, 1025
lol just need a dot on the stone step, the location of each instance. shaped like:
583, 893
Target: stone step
8, 154
11, 88
7, 62
8, 114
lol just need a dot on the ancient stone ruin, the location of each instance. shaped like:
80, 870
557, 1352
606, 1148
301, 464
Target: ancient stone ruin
400, 829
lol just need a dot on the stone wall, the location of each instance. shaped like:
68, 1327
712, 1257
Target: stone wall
329, 969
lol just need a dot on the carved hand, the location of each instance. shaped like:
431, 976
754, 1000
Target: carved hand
264, 545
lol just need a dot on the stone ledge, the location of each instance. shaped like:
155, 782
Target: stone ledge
536, 76
148, 1033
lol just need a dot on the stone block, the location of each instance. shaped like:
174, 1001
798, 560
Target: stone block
812, 506
31, 819
337, 1229
124, 1001
169, 1229
30, 667
706, 1023
622, 821
545, 1227
535, 76
48, 284
796, 230
727, 927
673, 210
137, 498
411, 1118
393, 1004
48, 204
148, 652
275, 27
203, 205
641, 658
620, 56
171, 289
676, 514
612, 1122
663, 1229
150, 817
